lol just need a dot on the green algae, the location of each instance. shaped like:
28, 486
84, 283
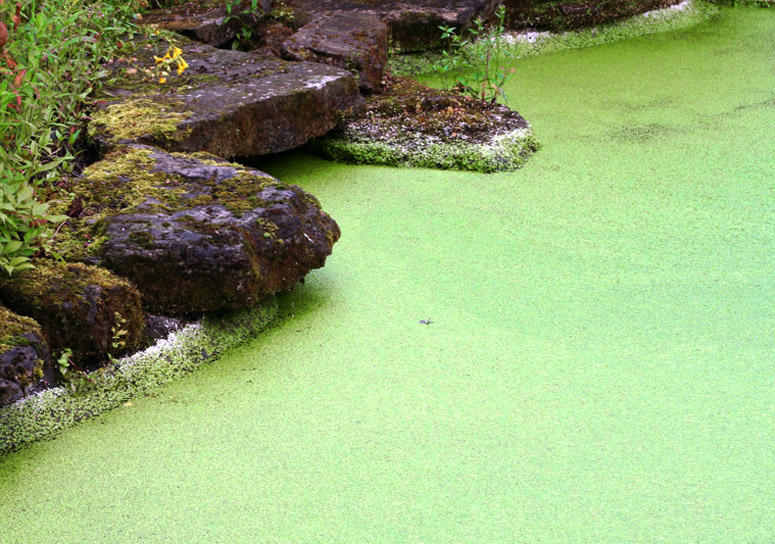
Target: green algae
698, 11
47, 413
598, 368
506, 152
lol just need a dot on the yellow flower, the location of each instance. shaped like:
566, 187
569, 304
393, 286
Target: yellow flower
176, 52
182, 65
162, 80
158, 59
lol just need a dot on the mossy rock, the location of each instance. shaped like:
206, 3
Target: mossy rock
413, 125
25, 362
79, 307
228, 103
195, 233
413, 24
561, 15
46, 414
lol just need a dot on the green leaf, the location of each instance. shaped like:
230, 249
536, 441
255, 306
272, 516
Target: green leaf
19, 261
12, 247
39, 209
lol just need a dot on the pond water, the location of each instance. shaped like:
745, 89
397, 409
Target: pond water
598, 367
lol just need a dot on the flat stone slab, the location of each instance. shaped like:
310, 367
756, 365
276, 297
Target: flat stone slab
355, 41
228, 103
195, 233
413, 24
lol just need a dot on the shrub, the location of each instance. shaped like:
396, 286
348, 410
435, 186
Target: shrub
473, 64
50, 63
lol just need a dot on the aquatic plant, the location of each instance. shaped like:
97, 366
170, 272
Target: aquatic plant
472, 63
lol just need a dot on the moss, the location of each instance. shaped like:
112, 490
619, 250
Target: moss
270, 229
142, 238
413, 125
133, 119
125, 181
76, 306
504, 154
59, 284
239, 194
13, 326
46, 414
122, 180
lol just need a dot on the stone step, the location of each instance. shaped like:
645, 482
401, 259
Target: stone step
228, 103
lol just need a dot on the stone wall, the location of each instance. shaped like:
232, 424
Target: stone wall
559, 15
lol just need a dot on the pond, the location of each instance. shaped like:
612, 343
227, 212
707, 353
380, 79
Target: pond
596, 364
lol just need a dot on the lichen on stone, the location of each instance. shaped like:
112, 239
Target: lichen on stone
130, 120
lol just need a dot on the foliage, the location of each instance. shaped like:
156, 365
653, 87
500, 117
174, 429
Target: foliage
50, 55
23, 222
282, 12
118, 336
473, 64
72, 375
242, 16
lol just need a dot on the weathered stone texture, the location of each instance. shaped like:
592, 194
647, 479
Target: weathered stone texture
355, 41
25, 362
77, 306
201, 234
228, 103
413, 25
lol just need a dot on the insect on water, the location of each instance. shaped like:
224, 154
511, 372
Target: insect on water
426, 321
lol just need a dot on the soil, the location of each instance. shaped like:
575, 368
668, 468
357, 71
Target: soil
406, 106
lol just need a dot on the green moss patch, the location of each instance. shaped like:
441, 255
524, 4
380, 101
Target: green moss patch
77, 307
128, 178
47, 413
13, 326
133, 119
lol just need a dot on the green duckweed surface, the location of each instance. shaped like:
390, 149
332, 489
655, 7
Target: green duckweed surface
600, 366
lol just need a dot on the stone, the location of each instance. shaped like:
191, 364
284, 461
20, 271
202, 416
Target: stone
413, 24
25, 362
413, 125
209, 21
78, 307
560, 16
228, 103
355, 41
195, 233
